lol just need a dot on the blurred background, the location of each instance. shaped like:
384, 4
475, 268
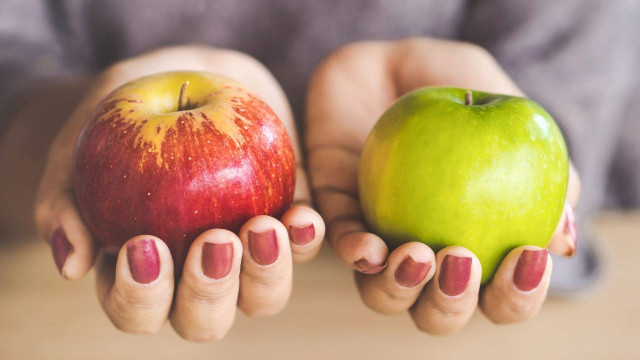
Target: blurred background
577, 58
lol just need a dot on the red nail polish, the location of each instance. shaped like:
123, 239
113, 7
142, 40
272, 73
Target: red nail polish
144, 260
60, 247
217, 259
364, 266
302, 235
410, 272
454, 274
530, 269
570, 225
263, 247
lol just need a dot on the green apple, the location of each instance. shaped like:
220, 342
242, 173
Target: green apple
448, 166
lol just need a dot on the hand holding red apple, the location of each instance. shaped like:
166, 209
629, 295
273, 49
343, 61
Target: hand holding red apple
146, 176
349, 91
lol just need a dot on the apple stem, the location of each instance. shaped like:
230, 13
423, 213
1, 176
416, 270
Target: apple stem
183, 90
468, 99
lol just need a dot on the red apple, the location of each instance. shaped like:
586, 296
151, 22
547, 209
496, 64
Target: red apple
145, 164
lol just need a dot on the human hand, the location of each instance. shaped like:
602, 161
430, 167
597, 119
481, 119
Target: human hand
251, 269
348, 92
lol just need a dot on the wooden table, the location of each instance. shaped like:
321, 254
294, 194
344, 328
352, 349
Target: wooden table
44, 317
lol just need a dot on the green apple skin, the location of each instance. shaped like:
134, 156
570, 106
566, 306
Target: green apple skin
490, 176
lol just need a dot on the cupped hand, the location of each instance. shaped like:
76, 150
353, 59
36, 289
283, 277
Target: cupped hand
251, 270
348, 92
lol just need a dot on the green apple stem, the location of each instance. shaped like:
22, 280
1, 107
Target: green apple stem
468, 99
181, 98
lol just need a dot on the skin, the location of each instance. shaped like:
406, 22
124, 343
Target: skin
176, 173
198, 307
501, 154
348, 92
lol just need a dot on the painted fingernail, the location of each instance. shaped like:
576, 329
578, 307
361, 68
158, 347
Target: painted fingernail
364, 266
60, 247
410, 272
570, 227
530, 269
144, 260
454, 274
302, 235
263, 247
217, 259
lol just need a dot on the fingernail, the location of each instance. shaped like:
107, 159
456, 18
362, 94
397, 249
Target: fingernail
454, 274
60, 247
302, 235
364, 266
410, 272
144, 261
530, 269
570, 227
263, 247
217, 259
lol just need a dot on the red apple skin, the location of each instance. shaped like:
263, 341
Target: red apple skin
191, 176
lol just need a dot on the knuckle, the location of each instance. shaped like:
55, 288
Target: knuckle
136, 314
399, 296
475, 52
128, 299
447, 310
519, 310
267, 279
206, 296
346, 50
505, 309
345, 54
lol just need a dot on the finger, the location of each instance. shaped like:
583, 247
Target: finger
519, 287
409, 268
334, 150
306, 232
265, 278
74, 250
205, 302
449, 300
334, 180
136, 290
362, 251
565, 237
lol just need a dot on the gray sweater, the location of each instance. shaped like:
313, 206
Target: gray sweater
579, 59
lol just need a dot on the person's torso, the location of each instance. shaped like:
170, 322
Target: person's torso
288, 36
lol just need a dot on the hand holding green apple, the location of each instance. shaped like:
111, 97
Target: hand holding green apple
481, 178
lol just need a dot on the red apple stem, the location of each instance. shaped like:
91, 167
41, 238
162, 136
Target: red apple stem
183, 90
468, 99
